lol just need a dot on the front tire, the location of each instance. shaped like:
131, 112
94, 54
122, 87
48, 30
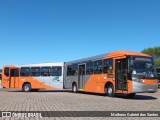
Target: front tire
110, 91
74, 88
26, 87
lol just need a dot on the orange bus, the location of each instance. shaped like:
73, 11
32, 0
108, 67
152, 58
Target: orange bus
33, 76
123, 72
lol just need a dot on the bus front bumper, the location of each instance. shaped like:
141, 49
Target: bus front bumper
144, 88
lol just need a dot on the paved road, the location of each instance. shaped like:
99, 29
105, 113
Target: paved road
13, 100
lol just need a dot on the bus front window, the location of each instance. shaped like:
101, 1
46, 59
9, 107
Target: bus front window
142, 68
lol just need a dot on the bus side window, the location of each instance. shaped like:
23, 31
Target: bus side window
25, 71
57, 71
107, 66
6, 71
75, 69
89, 68
98, 67
35, 71
69, 70
45, 71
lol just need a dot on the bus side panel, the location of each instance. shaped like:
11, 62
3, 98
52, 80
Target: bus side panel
69, 81
96, 83
5, 82
35, 82
44, 82
56, 82
91, 83
14, 82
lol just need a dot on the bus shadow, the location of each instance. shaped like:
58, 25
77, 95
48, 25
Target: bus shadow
89, 93
136, 97
40, 91
123, 96
53, 91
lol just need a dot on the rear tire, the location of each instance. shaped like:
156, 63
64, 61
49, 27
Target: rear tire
26, 87
74, 88
110, 91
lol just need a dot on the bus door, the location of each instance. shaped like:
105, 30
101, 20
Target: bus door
14, 78
121, 74
81, 76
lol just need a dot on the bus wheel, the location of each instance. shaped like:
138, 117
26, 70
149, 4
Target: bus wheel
131, 95
26, 87
110, 91
74, 88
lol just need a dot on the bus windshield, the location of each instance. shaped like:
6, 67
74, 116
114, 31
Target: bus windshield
143, 67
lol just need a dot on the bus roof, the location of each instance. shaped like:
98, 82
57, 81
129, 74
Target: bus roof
88, 58
110, 55
38, 65
43, 64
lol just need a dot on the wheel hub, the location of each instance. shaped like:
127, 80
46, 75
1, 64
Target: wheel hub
109, 90
74, 88
26, 88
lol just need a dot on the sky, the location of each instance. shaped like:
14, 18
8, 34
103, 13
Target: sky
40, 31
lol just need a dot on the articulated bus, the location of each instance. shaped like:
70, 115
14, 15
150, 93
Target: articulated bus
123, 72
33, 76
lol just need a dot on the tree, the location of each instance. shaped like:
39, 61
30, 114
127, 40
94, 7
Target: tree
155, 52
